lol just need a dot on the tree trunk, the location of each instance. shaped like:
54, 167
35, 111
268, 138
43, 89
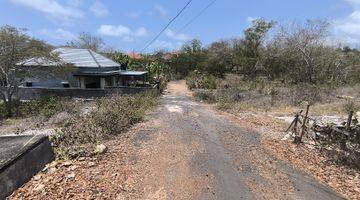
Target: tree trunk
8, 106
8, 103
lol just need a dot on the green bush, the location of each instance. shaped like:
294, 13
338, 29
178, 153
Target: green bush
201, 81
49, 106
45, 106
116, 113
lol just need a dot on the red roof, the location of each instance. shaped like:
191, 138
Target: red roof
135, 56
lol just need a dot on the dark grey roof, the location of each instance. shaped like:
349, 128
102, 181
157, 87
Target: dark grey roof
77, 57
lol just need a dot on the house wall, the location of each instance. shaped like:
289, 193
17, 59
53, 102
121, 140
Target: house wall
51, 82
44, 77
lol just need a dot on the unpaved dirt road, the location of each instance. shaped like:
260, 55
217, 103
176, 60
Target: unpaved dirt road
184, 150
196, 153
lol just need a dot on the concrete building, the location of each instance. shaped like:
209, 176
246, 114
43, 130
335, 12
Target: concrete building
91, 70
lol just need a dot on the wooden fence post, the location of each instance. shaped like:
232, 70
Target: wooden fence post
295, 128
305, 120
348, 127
298, 139
348, 124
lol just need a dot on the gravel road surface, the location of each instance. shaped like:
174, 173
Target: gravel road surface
220, 159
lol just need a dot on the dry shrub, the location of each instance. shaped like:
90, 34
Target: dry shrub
207, 96
197, 80
349, 90
113, 115
350, 105
116, 113
301, 93
238, 93
46, 106
342, 149
230, 80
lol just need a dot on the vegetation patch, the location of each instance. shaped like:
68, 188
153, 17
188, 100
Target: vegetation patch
112, 116
2, 110
47, 107
197, 80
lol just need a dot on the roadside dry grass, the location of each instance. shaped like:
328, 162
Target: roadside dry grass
318, 109
305, 157
41, 116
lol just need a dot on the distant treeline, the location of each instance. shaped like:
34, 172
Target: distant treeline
291, 53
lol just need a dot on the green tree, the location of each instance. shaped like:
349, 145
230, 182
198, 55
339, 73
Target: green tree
190, 57
119, 57
15, 48
247, 51
157, 70
219, 59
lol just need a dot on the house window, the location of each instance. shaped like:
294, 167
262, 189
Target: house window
65, 84
28, 84
108, 82
92, 82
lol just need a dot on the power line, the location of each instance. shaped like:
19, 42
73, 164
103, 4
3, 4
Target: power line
197, 16
167, 26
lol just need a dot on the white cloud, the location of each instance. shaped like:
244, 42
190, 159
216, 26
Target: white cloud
52, 8
123, 32
347, 30
353, 2
351, 24
177, 36
58, 34
141, 32
99, 9
110, 30
160, 10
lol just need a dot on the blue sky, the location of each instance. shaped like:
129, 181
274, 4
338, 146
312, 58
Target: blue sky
129, 25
